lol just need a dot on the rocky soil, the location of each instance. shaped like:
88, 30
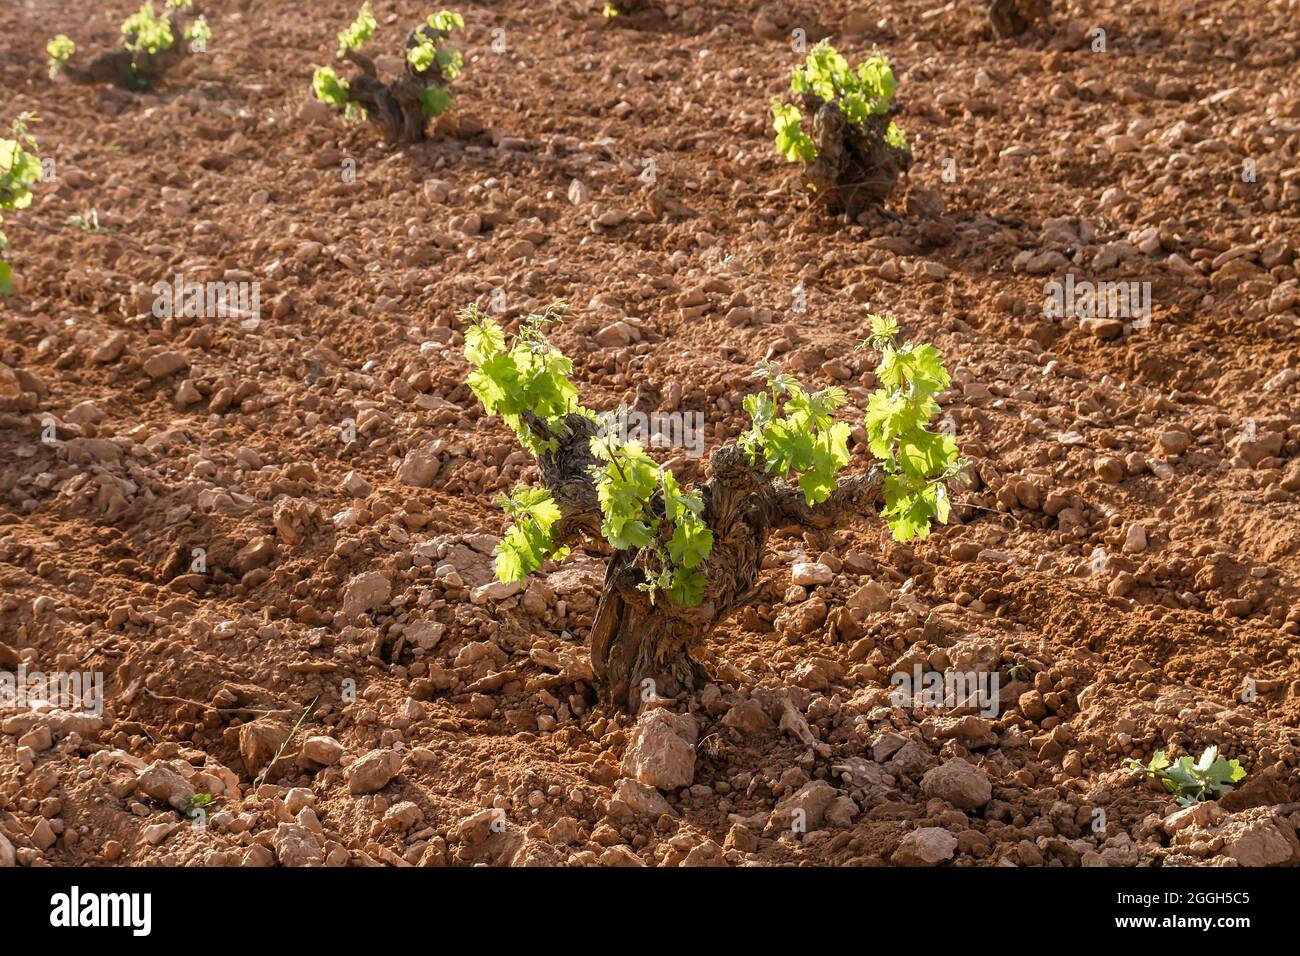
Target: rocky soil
1126, 550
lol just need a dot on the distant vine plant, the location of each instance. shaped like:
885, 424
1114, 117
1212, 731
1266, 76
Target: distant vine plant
400, 106
854, 151
20, 169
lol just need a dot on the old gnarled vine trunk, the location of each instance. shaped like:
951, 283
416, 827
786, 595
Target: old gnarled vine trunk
640, 649
395, 106
855, 169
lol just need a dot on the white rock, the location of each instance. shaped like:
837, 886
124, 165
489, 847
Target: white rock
808, 573
1135, 539
495, 591
323, 750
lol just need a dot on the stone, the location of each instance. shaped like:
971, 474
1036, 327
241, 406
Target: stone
494, 591
43, 836
802, 618
322, 750
374, 771
1104, 329
622, 855
402, 816
157, 832
257, 553
871, 597
809, 573
661, 752
927, 846
418, 468
258, 743
1174, 441
960, 783
364, 592
7, 856
1109, 469
707, 853
842, 811
1262, 840
911, 759
164, 784
293, 518
617, 335
356, 486
804, 810
295, 845
632, 798
165, 363
475, 829
749, 718
1135, 539
816, 673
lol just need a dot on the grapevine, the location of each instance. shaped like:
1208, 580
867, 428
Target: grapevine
402, 106
803, 440
19, 170
645, 512
855, 151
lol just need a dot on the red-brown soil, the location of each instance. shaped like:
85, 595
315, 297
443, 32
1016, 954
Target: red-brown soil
172, 435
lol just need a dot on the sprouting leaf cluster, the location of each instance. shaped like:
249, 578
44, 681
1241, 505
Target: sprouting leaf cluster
359, 32
793, 432
643, 507
917, 462
527, 375
531, 538
60, 50
1191, 782
144, 32
825, 77
195, 805
431, 54
20, 169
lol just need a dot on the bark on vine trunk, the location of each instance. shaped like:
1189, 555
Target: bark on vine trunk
1013, 17
639, 649
855, 168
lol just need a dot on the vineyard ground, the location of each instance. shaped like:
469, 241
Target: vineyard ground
1132, 537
